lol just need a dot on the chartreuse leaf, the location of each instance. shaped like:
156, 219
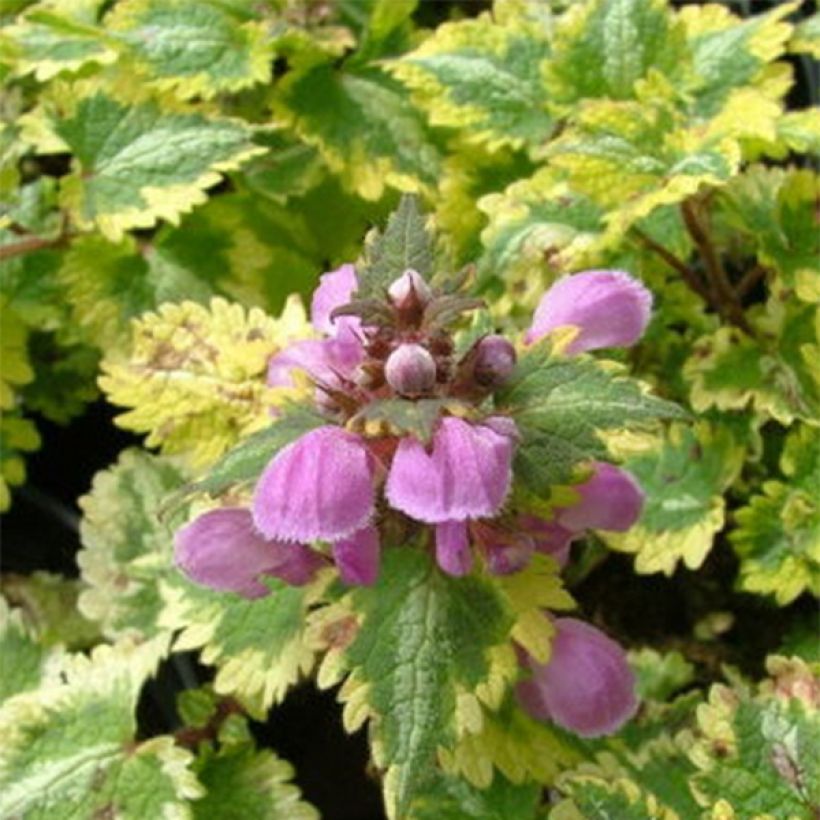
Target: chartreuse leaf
361, 124
135, 164
420, 650
484, 77
684, 476
451, 798
198, 48
16, 367
757, 751
778, 534
195, 376
730, 370
603, 47
69, 748
49, 39
560, 405
126, 548
774, 208
240, 781
806, 37
259, 647
48, 604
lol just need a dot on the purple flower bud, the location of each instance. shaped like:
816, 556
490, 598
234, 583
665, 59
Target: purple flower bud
609, 307
494, 361
509, 555
410, 370
222, 549
586, 686
357, 557
549, 536
409, 291
453, 548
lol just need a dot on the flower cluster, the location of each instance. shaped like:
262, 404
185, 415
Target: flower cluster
331, 494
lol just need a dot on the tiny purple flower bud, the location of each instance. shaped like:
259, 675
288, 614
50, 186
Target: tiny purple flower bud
453, 548
409, 291
609, 307
494, 361
410, 370
357, 557
222, 549
510, 555
586, 686
467, 474
334, 290
610, 500
318, 487
549, 536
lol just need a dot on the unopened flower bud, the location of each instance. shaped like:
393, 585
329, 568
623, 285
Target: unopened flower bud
410, 291
494, 361
410, 370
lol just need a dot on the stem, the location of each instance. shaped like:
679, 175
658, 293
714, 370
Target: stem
689, 275
727, 301
749, 280
27, 245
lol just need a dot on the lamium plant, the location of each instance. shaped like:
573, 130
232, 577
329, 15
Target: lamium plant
464, 360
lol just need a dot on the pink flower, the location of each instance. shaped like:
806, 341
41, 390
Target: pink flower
586, 686
221, 549
329, 362
318, 487
453, 548
335, 289
549, 537
467, 474
357, 557
610, 308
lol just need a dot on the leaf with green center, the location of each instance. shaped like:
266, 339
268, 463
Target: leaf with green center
50, 40
660, 674
195, 376
49, 606
684, 478
775, 209
603, 47
561, 405
258, 646
388, 29
363, 127
757, 751
242, 782
135, 164
69, 748
806, 37
402, 417
483, 77
405, 244
424, 649
732, 371
450, 798
126, 548
22, 655
730, 53
778, 534
198, 48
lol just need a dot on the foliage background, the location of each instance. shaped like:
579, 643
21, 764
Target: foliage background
672, 140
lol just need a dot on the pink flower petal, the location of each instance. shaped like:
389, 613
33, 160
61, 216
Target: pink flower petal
357, 557
467, 475
453, 548
610, 308
550, 537
318, 487
222, 549
587, 685
326, 361
610, 500
334, 290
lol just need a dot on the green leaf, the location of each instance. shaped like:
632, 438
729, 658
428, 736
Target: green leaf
660, 674
778, 535
756, 752
242, 782
403, 417
421, 651
69, 749
198, 48
50, 40
126, 548
604, 47
135, 164
22, 656
684, 477
806, 37
259, 647
195, 375
451, 798
362, 125
405, 244
484, 78
561, 404
774, 209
